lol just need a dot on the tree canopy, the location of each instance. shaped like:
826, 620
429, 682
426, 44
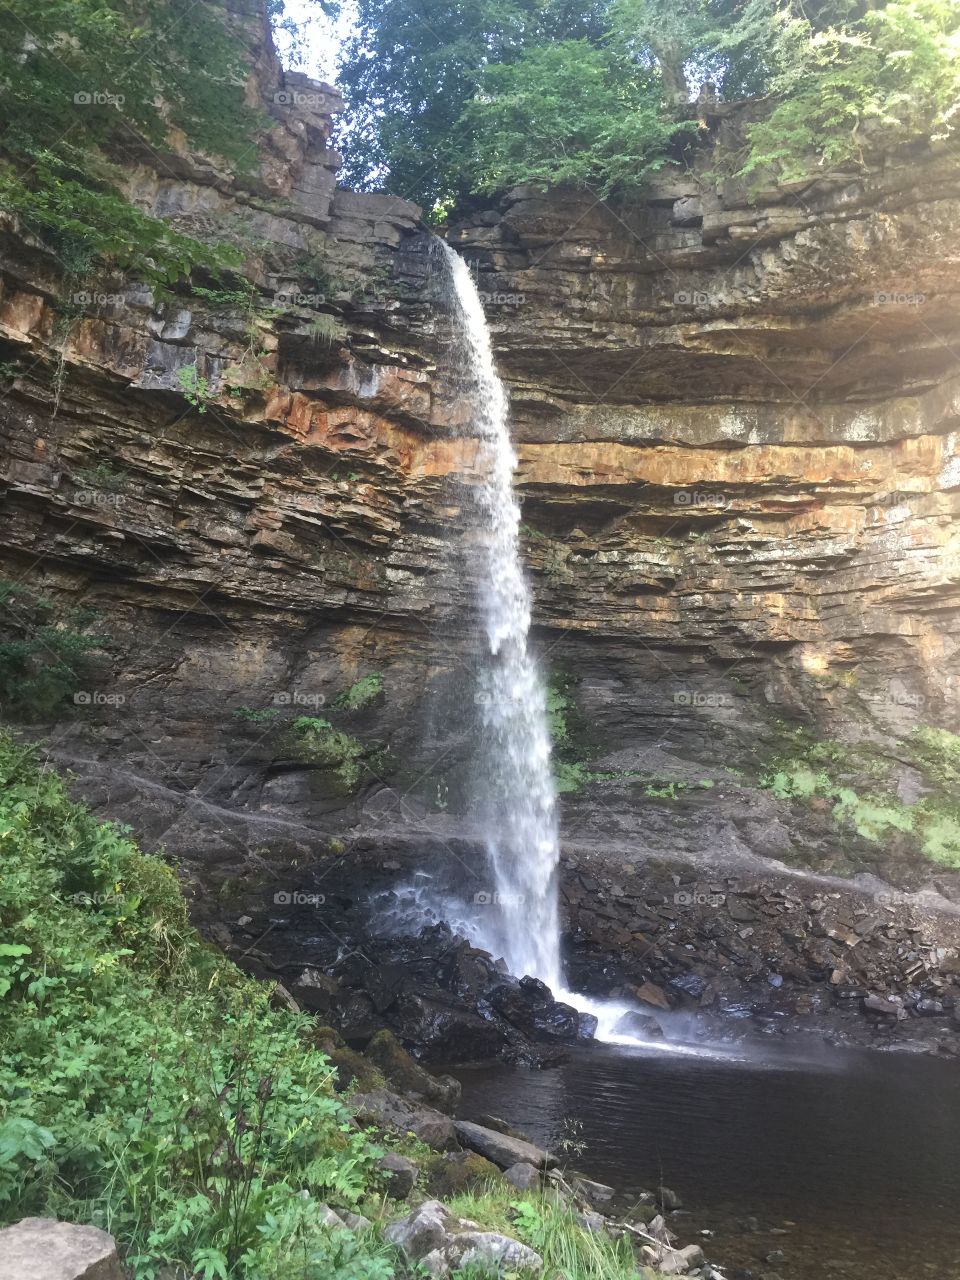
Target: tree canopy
450, 97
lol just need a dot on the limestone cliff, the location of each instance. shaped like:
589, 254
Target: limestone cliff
737, 415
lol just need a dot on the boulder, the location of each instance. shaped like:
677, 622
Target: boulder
595, 1192
640, 1025
457, 1171
387, 1053
443, 1243
650, 993
525, 1177
390, 1111
400, 1174
45, 1249
500, 1147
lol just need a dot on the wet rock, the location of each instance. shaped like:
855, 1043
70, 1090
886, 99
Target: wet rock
443, 1243
668, 1199
45, 1249
400, 1174
389, 1111
500, 1148
523, 1176
315, 991
650, 993
892, 1008
640, 1025
739, 911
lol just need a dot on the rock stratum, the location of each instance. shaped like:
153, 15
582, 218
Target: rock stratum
737, 417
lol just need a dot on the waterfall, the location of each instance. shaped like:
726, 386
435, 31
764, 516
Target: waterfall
520, 806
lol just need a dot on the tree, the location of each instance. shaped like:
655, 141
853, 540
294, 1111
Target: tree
88, 87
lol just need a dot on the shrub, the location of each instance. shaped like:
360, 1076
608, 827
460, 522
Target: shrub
43, 655
318, 742
145, 1084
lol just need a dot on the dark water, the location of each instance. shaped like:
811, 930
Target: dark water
848, 1163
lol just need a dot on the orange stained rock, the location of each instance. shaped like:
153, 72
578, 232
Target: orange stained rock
578, 465
349, 429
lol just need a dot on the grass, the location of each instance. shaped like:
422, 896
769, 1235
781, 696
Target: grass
549, 1225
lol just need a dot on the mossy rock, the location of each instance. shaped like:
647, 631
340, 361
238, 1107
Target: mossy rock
354, 1071
458, 1171
387, 1053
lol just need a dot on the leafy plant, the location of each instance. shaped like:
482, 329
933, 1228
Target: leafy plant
263, 715
44, 654
195, 388
145, 1084
318, 742
362, 692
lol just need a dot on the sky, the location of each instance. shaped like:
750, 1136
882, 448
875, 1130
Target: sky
322, 38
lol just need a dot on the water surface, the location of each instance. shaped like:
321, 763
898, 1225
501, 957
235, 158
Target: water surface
847, 1163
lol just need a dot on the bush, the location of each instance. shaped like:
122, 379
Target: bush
145, 1084
43, 656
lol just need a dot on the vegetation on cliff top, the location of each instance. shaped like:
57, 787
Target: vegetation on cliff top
92, 88
446, 100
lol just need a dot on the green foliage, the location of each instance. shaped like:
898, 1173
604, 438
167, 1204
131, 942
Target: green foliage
44, 654
891, 75
326, 330
145, 1084
362, 693
87, 86
549, 1225
196, 389
810, 771
564, 113
448, 98
263, 715
318, 742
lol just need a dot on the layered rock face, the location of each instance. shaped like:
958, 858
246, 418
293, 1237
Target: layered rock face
737, 418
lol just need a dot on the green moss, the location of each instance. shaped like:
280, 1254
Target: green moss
362, 692
316, 741
856, 782
450, 1176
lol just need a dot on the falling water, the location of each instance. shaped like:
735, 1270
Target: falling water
521, 818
